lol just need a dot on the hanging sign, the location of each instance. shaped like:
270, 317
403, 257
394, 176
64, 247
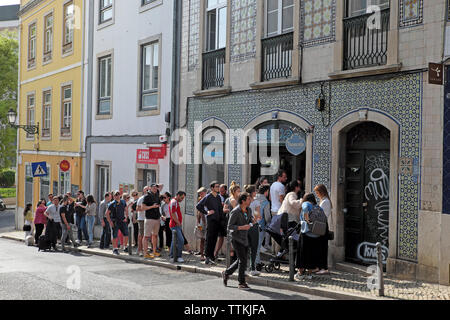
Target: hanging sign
157, 152
143, 157
296, 144
436, 73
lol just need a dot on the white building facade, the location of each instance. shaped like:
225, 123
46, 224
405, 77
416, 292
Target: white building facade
129, 83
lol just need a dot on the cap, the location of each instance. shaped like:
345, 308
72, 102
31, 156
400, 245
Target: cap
202, 189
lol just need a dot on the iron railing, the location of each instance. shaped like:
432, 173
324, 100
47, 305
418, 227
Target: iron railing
213, 75
365, 45
277, 56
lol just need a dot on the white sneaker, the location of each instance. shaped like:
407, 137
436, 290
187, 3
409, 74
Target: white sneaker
180, 260
255, 273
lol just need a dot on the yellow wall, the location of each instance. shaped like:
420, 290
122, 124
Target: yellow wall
53, 162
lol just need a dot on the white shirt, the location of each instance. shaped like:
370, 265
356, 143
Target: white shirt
141, 214
325, 204
276, 190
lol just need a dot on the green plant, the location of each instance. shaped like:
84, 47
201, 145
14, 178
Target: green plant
7, 178
7, 192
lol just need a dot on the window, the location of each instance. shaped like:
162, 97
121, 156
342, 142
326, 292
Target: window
359, 7
32, 45
216, 25
69, 18
64, 182
104, 86
28, 184
66, 111
150, 76
106, 11
45, 185
48, 37
30, 112
46, 113
279, 17
145, 2
213, 155
102, 182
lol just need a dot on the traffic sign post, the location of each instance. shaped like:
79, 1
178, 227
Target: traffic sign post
39, 169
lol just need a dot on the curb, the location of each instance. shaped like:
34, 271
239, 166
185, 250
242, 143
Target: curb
290, 286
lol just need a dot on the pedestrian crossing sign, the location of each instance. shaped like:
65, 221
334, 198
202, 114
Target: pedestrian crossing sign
39, 169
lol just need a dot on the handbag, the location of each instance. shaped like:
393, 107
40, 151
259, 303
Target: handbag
330, 235
27, 227
318, 228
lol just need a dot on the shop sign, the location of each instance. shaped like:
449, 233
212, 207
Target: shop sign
143, 157
296, 144
157, 152
64, 166
436, 73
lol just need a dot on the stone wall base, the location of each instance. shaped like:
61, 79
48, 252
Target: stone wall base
406, 270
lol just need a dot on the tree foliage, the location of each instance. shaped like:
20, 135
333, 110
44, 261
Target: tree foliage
9, 50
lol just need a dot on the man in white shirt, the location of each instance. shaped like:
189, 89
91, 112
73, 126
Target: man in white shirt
277, 192
141, 219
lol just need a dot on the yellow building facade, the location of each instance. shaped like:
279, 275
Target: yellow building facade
50, 95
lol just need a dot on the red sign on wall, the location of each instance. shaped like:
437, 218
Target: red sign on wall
157, 152
143, 156
64, 166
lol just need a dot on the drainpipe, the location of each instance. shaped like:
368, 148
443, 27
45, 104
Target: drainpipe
90, 43
176, 53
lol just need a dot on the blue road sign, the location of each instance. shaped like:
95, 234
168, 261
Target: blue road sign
39, 169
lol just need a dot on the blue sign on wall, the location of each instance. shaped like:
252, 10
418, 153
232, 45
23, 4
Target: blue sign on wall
39, 169
296, 144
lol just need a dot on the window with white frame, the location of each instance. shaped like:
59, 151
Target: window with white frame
105, 11
45, 185
46, 113
359, 7
32, 45
31, 103
64, 182
66, 108
69, 19
150, 76
279, 17
216, 24
104, 85
48, 37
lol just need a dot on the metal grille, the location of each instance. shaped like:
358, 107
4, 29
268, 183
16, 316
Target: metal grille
277, 56
213, 62
364, 46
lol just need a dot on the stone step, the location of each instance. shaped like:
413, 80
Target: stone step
352, 268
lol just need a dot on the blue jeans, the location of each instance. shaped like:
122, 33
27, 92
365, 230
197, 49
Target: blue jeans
90, 227
82, 228
258, 255
179, 244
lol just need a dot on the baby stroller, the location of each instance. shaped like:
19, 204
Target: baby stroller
280, 233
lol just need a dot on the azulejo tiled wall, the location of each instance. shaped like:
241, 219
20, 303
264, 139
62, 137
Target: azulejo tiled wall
411, 12
318, 22
194, 33
243, 30
399, 98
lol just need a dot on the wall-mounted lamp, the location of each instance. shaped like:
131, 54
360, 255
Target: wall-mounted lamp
363, 113
30, 129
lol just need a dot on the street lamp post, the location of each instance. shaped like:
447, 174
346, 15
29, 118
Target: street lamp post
30, 129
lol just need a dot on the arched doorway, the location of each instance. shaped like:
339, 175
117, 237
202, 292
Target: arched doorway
291, 147
367, 192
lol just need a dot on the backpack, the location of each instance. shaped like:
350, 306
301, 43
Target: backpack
318, 225
114, 211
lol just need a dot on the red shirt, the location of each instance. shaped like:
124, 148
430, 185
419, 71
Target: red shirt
39, 217
174, 207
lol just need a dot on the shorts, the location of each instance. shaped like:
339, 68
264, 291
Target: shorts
122, 226
151, 227
141, 227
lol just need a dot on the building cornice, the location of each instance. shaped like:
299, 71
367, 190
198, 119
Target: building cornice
30, 5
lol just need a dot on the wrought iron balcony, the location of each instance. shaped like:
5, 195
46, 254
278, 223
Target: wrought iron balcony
364, 46
213, 75
277, 57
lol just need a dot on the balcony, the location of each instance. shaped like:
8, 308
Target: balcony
277, 57
213, 69
364, 46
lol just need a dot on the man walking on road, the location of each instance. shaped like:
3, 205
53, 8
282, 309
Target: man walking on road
117, 216
152, 220
238, 226
176, 224
105, 238
211, 206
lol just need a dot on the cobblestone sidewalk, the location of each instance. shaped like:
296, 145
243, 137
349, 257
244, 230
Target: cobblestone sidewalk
338, 284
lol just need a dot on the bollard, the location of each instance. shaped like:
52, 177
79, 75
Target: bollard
174, 246
130, 239
291, 259
228, 250
380, 271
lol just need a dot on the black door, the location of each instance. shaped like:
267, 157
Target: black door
367, 192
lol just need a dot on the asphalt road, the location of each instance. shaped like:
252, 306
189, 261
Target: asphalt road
28, 274
7, 220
